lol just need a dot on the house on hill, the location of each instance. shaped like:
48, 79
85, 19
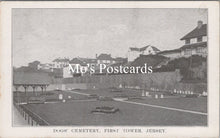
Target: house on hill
195, 44
135, 52
60, 62
88, 61
46, 67
105, 59
195, 41
75, 62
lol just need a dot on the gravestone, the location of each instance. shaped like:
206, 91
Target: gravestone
60, 96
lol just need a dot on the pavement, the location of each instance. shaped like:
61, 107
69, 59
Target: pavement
18, 119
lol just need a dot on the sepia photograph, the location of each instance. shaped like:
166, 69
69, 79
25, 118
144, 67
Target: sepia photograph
109, 67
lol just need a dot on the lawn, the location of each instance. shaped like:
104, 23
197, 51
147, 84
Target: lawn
78, 112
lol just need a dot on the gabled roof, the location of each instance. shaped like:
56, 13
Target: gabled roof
105, 57
202, 31
134, 49
195, 45
143, 48
153, 47
61, 60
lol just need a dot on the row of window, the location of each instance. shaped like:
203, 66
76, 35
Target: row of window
195, 40
199, 50
106, 61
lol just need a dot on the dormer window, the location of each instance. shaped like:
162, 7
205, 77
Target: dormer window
187, 41
199, 39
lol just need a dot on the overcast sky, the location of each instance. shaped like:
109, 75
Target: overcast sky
46, 34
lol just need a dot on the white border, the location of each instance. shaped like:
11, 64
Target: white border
6, 130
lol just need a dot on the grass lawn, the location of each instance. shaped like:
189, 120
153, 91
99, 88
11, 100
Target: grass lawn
78, 112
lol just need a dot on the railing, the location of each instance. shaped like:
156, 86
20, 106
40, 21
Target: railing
32, 118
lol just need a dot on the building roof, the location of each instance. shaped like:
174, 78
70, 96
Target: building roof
202, 31
61, 60
153, 47
31, 78
105, 57
195, 45
134, 49
45, 65
121, 59
170, 51
88, 60
143, 48
77, 61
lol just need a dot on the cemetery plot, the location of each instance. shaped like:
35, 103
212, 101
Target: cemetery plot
121, 107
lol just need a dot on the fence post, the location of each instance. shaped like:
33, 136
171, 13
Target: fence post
28, 119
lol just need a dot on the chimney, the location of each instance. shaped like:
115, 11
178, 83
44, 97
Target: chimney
199, 24
96, 55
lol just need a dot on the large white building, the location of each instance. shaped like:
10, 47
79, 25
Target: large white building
135, 52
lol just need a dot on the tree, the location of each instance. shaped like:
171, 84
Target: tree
34, 64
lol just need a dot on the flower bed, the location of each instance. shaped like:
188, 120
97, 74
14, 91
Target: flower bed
105, 109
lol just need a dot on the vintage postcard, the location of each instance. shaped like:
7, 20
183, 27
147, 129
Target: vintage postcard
109, 69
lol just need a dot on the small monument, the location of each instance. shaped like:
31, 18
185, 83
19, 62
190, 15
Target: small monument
147, 93
60, 96
120, 86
